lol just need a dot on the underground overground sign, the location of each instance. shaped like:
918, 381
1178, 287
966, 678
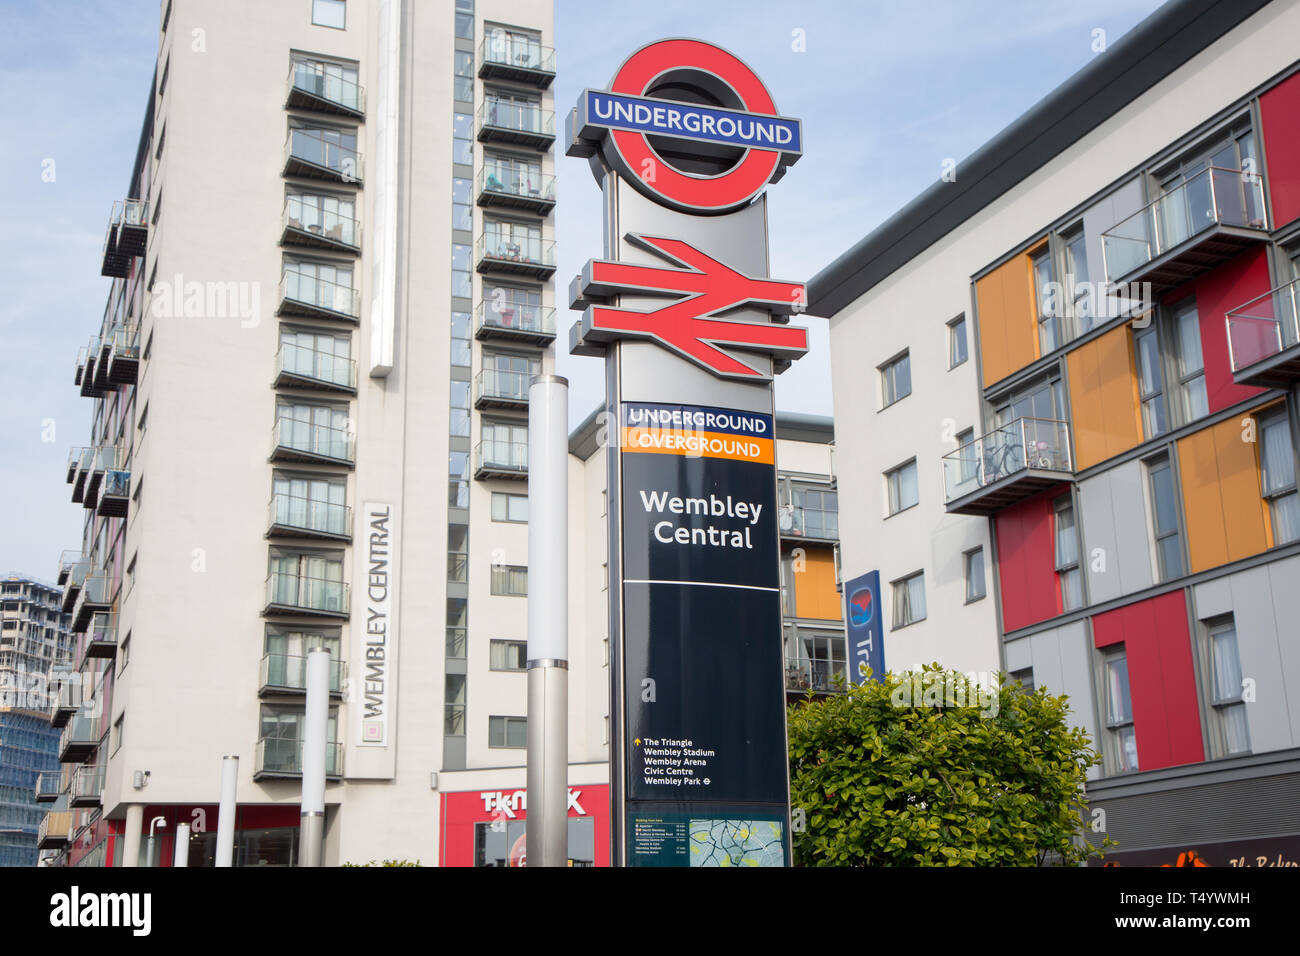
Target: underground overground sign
684, 144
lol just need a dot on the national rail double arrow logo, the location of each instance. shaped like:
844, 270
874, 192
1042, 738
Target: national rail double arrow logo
690, 325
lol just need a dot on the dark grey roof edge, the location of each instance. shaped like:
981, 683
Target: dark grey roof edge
1152, 50
794, 426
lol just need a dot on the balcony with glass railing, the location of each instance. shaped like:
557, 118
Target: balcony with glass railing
122, 366
1007, 465
49, 786
1207, 219
114, 494
282, 757
809, 524
86, 787
100, 641
1264, 339
126, 237
55, 830
820, 677
74, 575
65, 692
299, 366
294, 439
510, 187
501, 459
96, 596
81, 366
293, 516
302, 595
522, 124
90, 387
518, 58
513, 254
312, 154
287, 674
103, 458
307, 295
80, 738
514, 322
305, 224
78, 471
501, 388
322, 87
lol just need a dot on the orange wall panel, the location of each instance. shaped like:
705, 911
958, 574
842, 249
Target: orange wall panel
814, 586
1226, 518
1007, 308
1104, 398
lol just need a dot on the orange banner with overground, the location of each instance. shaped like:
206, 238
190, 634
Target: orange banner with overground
698, 444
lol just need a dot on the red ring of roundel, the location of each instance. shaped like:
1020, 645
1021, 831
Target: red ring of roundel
712, 193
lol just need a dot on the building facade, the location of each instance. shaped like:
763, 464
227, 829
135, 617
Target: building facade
1078, 449
34, 639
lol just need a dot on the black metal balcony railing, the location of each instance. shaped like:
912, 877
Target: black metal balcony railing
281, 757
294, 439
1190, 228
1006, 465
304, 367
520, 123
293, 593
501, 388
515, 321
521, 59
312, 154
501, 459
818, 676
287, 673
304, 223
316, 85
500, 251
1264, 338
516, 187
304, 294
308, 517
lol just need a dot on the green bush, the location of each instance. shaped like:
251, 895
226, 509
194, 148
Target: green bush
948, 779
387, 863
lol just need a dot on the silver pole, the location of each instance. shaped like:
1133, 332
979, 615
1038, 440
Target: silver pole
314, 745
548, 621
148, 847
226, 812
181, 853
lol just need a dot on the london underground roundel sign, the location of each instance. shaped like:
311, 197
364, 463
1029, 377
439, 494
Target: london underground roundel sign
703, 102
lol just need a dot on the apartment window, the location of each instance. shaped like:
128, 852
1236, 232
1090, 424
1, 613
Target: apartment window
1277, 469
1025, 678
461, 351
895, 380
461, 284
1150, 382
317, 429
958, 351
281, 740
118, 731
1119, 710
464, 21
508, 655
517, 241
462, 143
1076, 274
909, 599
508, 375
458, 552
1049, 310
509, 580
508, 732
1191, 365
464, 76
975, 586
286, 657
816, 512
1067, 555
124, 654
901, 486
311, 581
1164, 519
458, 480
453, 721
969, 463
1233, 732
329, 13
310, 503
320, 356
504, 444
508, 507
460, 418
462, 215
457, 619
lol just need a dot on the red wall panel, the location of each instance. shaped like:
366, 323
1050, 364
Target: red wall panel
1279, 108
1027, 562
462, 810
1234, 283
1161, 676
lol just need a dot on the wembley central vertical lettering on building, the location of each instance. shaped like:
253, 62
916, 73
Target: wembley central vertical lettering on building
378, 643
684, 144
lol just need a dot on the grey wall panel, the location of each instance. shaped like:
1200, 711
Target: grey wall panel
1253, 597
1076, 681
1213, 598
1284, 578
1019, 656
1113, 512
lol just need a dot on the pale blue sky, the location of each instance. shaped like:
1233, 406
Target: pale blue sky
886, 92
